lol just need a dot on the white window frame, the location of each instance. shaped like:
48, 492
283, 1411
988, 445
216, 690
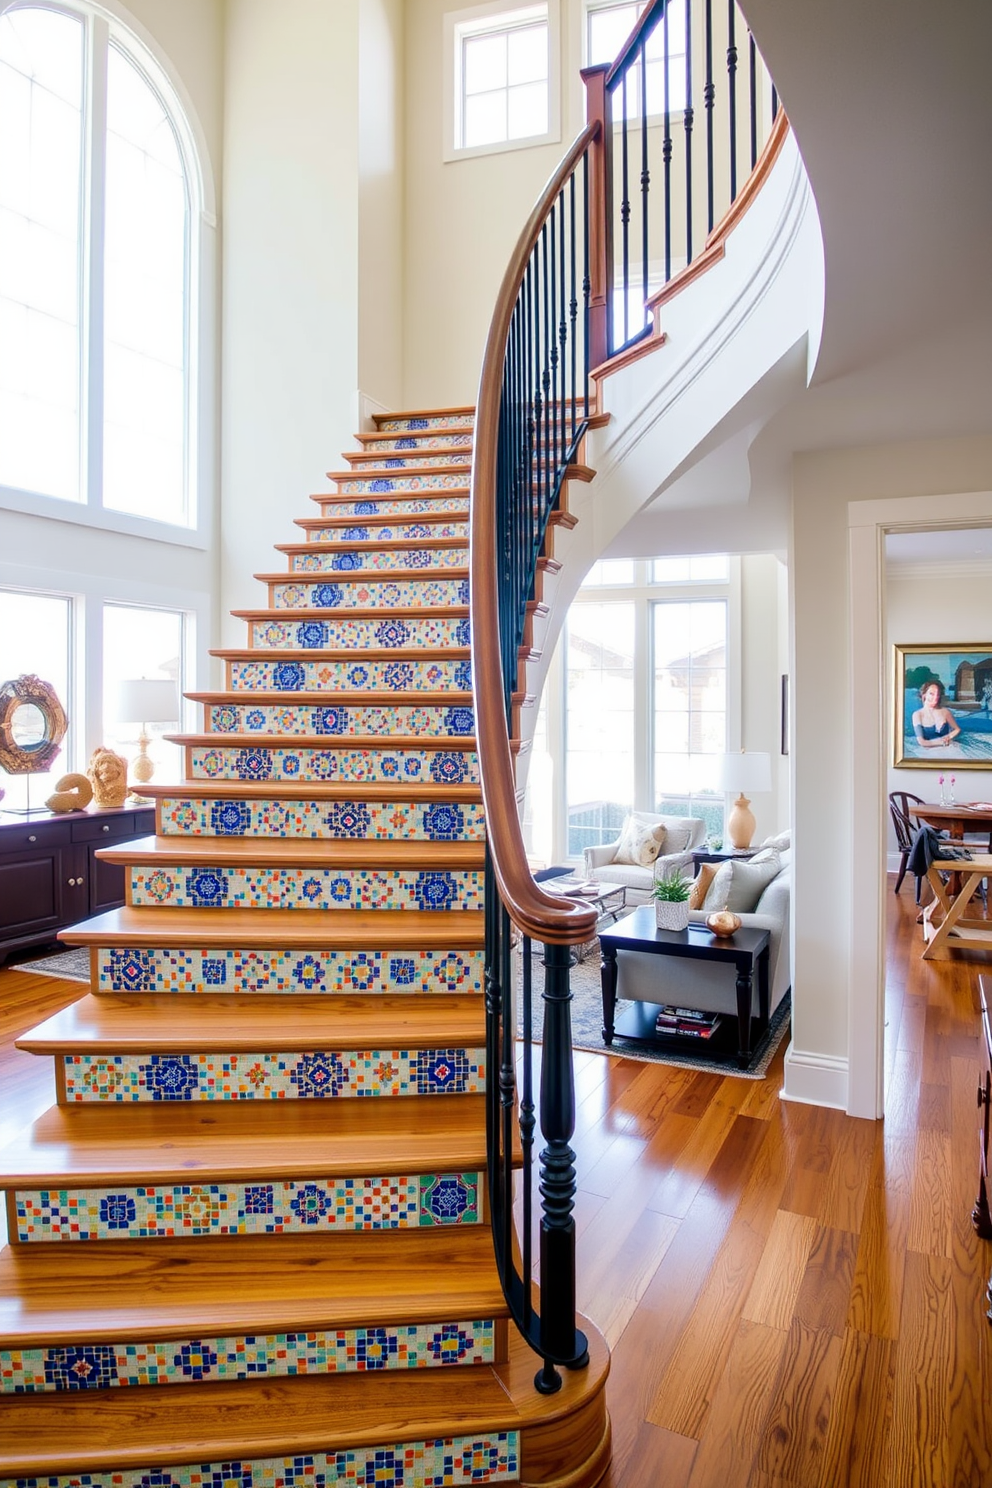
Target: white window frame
676, 112
460, 24
105, 24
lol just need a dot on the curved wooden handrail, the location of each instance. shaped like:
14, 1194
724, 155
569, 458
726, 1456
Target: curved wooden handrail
645, 23
542, 916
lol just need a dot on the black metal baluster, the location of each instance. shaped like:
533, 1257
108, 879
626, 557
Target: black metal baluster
709, 93
732, 92
507, 1072
666, 153
645, 181
553, 350
548, 411
527, 1123
562, 329
624, 209
573, 306
774, 103
687, 123
586, 282
752, 58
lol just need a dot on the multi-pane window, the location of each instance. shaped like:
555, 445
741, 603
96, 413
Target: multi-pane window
689, 666
607, 28
600, 721
36, 639
503, 77
95, 286
144, 644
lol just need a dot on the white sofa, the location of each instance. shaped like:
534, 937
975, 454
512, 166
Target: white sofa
600, 861
710, 986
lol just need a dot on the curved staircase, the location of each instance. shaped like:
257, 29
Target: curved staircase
250, 1244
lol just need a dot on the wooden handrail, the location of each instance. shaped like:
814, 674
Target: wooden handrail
645, 23
543, 916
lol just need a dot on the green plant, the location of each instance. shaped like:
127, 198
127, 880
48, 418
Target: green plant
672, 889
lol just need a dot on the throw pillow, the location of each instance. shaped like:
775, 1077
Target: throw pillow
701, 883
677, 839
780, 841
739, 884
640, 842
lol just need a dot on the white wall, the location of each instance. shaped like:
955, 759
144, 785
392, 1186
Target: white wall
841, 729
381, 194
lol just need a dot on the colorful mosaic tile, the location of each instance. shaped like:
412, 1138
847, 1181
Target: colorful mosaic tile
266, 674
157, 969
305, 888
427, 421
426, 720
101, 1366
345, 1074
167, 1211
437, 441
384, 821
341, 631
491, 1457
402, 481
412, 459
350, 561
362, 594
401, 532
372, 505
229, 762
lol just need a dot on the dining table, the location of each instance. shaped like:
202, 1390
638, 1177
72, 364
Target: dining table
956, 818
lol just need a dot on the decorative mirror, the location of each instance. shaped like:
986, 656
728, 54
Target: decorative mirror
32, 725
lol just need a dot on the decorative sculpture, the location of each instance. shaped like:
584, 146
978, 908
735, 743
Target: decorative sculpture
72, 793
108, 773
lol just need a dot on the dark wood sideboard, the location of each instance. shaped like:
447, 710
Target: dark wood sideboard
50, 875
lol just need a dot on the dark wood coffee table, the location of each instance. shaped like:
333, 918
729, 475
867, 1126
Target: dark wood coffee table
745, 950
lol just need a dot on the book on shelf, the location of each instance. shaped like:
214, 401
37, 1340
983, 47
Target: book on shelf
687, 1023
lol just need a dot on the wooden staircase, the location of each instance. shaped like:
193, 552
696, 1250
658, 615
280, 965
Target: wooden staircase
249, 1245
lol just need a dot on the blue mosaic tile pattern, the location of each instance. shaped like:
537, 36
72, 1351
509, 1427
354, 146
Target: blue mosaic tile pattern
410, 459
333, 764
347, 561
342, 631
400, 532
189, 816
429, 720
168, 1211
428, 421
403, 481
102, 1366
491, 1457
373, 505
424, 446
363, 594
319, 1075
322, 972
268, 674
305, 888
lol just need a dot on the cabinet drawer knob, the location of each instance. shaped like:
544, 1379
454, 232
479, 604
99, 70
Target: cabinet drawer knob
105, 828
32, 838
72, 883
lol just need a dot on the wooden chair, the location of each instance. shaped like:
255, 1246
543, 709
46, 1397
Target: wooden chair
905, 826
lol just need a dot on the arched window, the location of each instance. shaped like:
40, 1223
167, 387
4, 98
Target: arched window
97, 225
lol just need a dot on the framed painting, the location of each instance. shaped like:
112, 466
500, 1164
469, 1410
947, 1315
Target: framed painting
943, 707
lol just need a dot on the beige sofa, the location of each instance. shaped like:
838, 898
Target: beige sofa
600, 862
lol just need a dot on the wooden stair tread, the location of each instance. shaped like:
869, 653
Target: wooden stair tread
339, 653
257, 1023
59, 1293
290, 852
97, 1429
256, 699
244, 1141
379, 519
291, 790
359, 576
399, 473
399, 492
460, 410
351, 929
359, 612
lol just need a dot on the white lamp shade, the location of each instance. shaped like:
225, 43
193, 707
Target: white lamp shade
746, 772
148, 700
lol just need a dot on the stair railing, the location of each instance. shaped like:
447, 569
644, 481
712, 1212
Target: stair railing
574, 295
532, 412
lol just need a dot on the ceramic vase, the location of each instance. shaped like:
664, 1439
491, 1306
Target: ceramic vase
671, 916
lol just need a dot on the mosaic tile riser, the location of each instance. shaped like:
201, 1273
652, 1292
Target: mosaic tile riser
341, 633
270, 674
423, 446
349, 560
318, 1075
166, 1211
399, 533
421, 821
103, 1366
405, 457
363, 594
419, 767
431, 720
373, 485
305, 888
373, 505
414, 425
323, 972
440, 1463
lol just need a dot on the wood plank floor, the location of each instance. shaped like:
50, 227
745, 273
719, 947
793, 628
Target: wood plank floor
794, 1299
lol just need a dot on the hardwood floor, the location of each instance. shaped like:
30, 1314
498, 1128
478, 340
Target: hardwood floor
794, 1299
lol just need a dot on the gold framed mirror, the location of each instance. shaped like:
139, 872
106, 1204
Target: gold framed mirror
32, 725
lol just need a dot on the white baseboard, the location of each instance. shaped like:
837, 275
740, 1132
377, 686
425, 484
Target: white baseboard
364, 409
815, 1079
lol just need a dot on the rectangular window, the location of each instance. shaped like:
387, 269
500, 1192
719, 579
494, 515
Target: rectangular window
600, 730
607, 28
142, 644
690, 707
608, 572
504, 91
36, 638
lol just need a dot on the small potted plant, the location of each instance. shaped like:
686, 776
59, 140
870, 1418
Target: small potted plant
671, 901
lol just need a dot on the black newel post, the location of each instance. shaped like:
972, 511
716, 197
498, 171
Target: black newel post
560, 1339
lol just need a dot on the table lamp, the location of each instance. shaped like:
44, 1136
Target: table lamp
146, 700
741, 772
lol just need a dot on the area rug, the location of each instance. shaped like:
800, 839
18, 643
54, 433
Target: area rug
587, 1028
69, 966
